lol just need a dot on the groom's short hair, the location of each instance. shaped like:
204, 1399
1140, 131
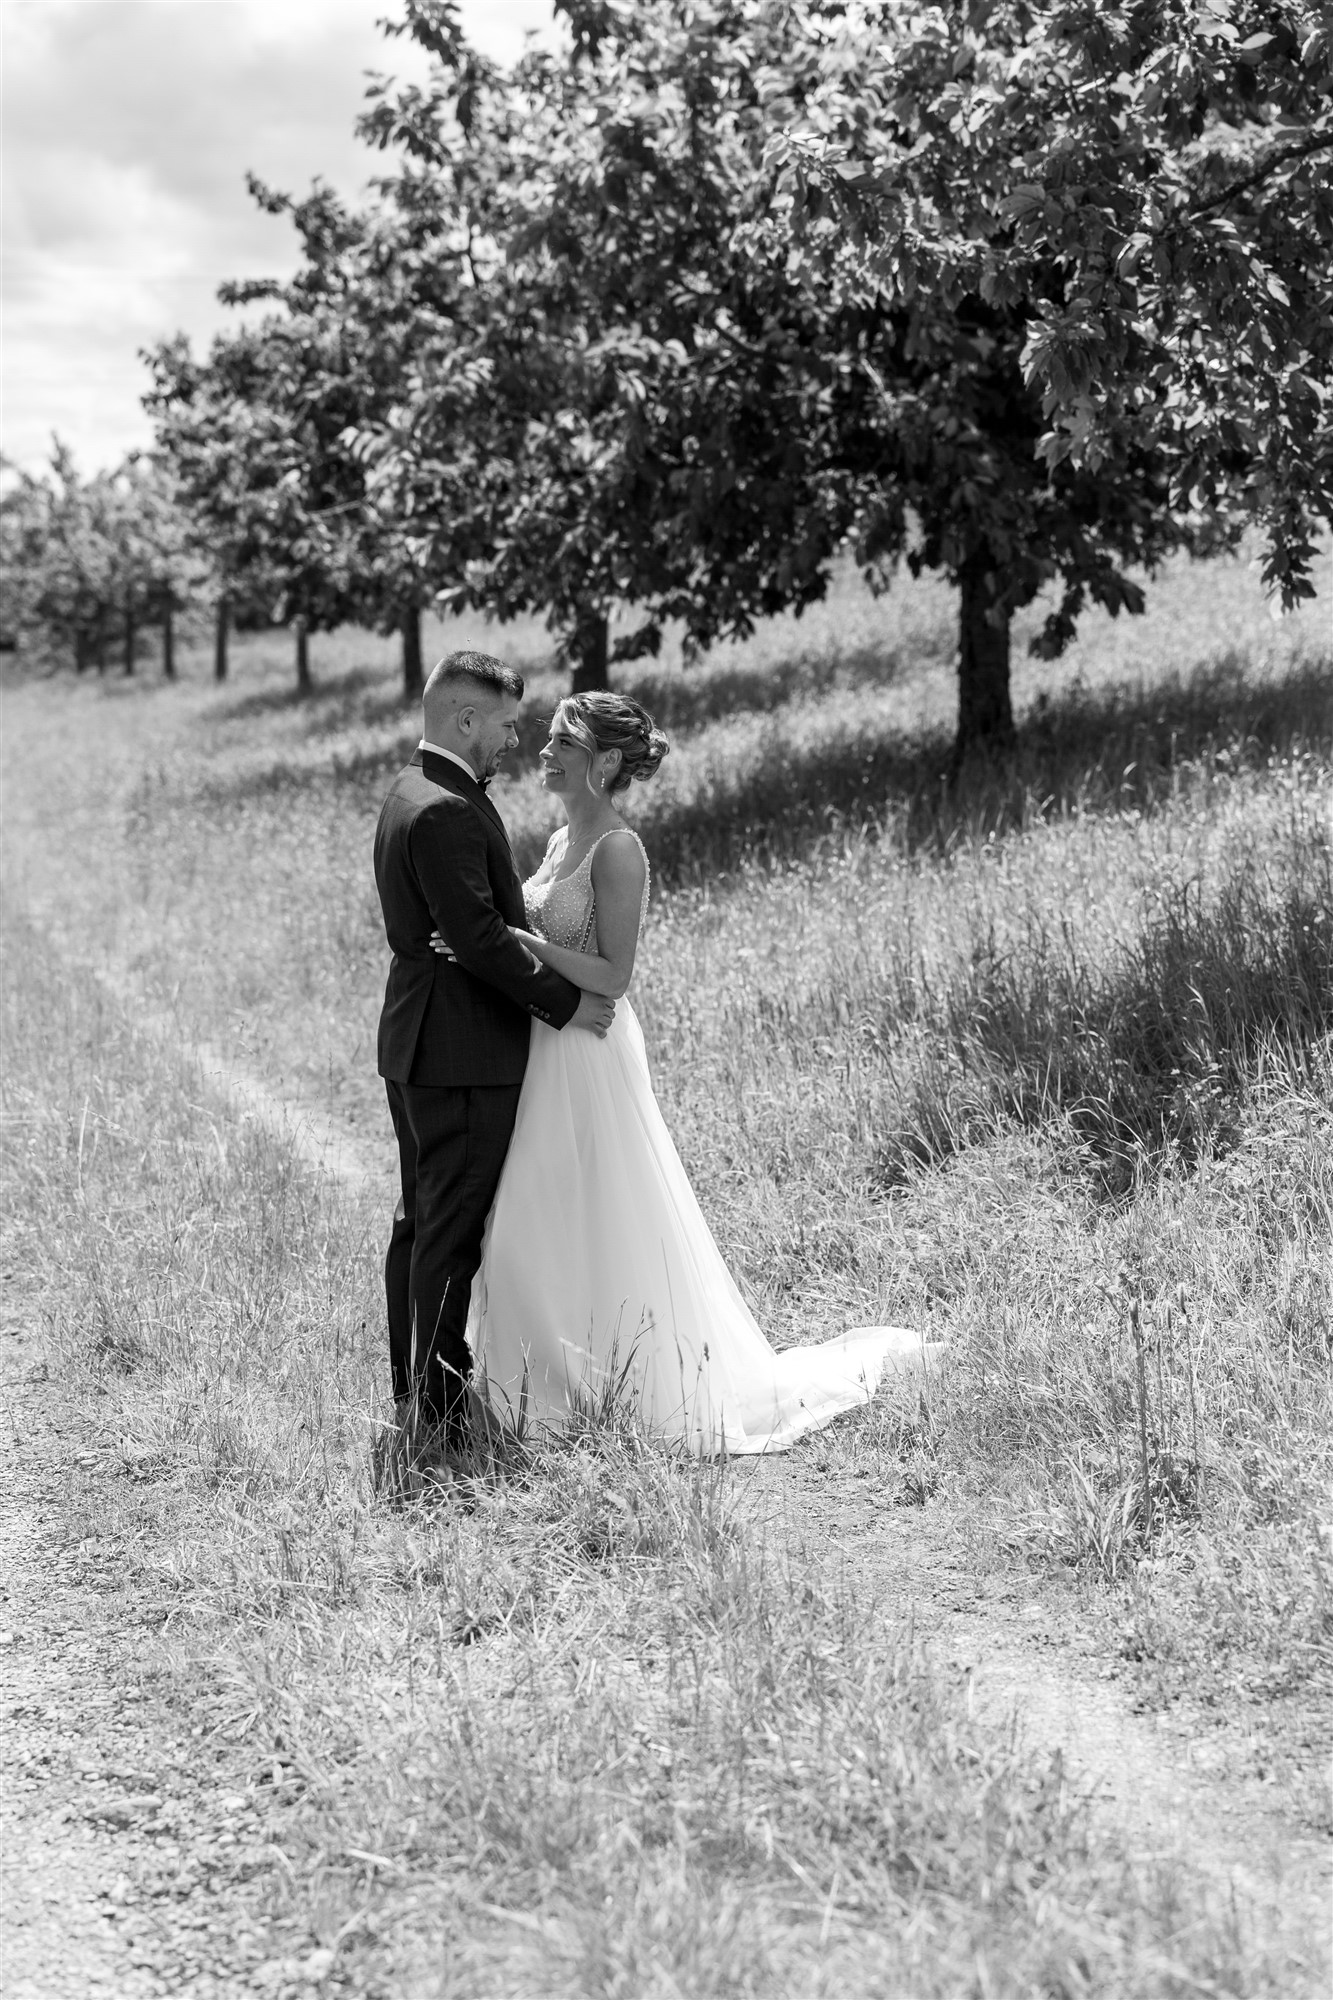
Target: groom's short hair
479, 667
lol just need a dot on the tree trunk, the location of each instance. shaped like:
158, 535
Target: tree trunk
410, 627
221, 633
99, 642
985, 716
168, 644
302, 656
81, 649
131, 634
590, 653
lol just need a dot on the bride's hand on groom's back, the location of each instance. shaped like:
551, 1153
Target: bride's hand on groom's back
594, 1011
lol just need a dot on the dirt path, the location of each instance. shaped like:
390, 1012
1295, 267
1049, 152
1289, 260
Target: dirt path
1159, 1780
127, 1853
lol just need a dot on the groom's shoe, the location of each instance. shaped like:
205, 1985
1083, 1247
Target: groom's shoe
457, 1435
440, 1434
485, 1431
408, 1454
426, 1434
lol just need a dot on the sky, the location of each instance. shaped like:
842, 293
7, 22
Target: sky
129, 127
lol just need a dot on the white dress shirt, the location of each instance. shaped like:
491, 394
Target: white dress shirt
463, 765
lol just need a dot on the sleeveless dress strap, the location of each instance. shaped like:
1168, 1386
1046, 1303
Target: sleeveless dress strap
589, 931
610, 834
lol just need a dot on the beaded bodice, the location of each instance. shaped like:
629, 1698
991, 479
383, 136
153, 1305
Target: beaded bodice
565, 912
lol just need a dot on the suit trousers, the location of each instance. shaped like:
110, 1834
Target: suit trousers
452, 1142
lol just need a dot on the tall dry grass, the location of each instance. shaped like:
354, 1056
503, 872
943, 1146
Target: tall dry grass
1040, 1063
573, 1730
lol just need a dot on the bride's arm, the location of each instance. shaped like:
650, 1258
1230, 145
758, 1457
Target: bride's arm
618, 873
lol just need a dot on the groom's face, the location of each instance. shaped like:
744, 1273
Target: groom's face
494, 733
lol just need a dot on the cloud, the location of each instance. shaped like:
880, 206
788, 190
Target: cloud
129, 128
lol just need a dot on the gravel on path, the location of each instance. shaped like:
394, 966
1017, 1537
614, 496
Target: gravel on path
132, 1858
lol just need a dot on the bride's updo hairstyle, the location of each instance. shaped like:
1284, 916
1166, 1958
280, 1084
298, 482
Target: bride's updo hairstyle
614, 722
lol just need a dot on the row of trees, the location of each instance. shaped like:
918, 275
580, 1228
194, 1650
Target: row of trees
88, 564
1027, 293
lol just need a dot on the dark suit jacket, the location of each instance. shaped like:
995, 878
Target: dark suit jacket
442, 862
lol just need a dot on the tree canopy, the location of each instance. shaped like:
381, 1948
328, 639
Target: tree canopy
1000, 289
259, 433
88, 562
1147, 187
673, 314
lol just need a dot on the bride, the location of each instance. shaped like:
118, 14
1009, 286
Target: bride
599, 1273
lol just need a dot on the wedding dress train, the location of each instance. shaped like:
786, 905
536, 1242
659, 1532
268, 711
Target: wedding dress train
599, 1270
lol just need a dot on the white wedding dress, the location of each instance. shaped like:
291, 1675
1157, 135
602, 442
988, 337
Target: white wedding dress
599, 1273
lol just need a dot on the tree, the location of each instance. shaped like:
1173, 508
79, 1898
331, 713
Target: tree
1138, 201
558, 446
86, 560
994, 288
262, 434
1141, 197
159, 565
226, 429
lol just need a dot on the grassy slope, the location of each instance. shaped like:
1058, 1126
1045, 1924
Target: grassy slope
575, 1731
909, 1052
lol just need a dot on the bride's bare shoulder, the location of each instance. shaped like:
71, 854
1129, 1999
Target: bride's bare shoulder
619, 862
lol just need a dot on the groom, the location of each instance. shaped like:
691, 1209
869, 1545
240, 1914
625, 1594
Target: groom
453, 1039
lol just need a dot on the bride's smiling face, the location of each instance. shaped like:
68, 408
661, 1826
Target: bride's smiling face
564, 761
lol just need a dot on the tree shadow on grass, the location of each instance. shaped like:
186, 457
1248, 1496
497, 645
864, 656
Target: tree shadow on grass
1122, 750
1146, 1061
715, 693
358, 699
682, 701
357, 695
679, 700
813, 775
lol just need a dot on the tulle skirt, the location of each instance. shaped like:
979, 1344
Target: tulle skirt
600, 1278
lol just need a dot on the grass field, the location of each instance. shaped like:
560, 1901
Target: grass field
1042, 1063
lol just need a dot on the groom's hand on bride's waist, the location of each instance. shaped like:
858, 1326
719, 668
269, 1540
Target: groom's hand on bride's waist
594, 1011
